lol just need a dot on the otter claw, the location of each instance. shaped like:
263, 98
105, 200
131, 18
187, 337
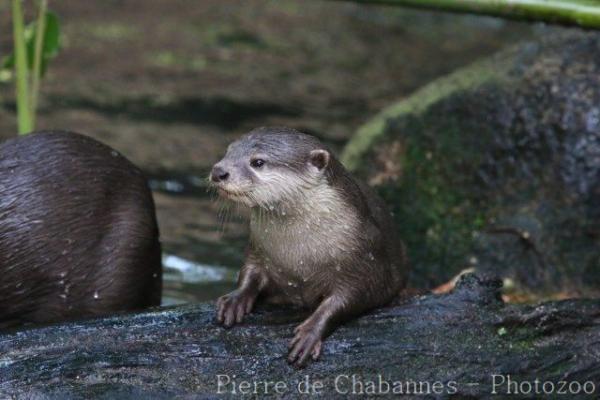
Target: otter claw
232, 308
305, 345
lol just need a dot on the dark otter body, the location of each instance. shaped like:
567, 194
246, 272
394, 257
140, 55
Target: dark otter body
319, 239
78, 232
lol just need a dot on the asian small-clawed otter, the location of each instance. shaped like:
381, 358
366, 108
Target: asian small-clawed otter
318, 238
78, 231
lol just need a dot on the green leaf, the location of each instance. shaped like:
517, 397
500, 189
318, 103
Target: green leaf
50, 48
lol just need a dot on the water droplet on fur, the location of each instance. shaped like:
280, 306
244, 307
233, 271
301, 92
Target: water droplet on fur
290, 283
338, 268
114, 153
96, 296
371, 257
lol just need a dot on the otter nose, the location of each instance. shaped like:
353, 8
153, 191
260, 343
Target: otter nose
218, 174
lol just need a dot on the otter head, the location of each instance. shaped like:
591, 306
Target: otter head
271, 166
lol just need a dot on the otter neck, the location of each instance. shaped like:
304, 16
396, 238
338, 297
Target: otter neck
320, 201
319, 229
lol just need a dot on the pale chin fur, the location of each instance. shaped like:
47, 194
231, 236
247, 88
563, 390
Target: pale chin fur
236, 197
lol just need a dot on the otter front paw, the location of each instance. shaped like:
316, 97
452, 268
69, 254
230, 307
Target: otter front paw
232, 307
305, 345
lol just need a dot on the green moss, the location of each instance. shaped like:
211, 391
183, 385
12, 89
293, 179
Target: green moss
169, 59
113, 31
415, 104
239, 38
434, 206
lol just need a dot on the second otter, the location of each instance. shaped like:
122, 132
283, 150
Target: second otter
78, 231
319, 239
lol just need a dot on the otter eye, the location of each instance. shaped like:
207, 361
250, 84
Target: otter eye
257, 163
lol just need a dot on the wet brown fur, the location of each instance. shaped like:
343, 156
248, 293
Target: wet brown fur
78, 232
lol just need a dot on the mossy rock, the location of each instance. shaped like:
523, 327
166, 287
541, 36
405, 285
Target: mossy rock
497, 167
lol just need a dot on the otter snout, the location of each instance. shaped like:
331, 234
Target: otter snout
218, 174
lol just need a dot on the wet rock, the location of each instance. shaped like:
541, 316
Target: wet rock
497, 167
459, 339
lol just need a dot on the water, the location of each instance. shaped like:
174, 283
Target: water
202, 251
187, 281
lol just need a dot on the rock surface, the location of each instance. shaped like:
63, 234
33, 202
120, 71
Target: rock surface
497, 166
459, 339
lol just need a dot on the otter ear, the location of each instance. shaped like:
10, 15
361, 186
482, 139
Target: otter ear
319, 158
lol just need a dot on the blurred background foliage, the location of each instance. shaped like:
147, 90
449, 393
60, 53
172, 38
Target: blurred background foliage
34, 45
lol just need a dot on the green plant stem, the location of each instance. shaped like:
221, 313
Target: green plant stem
22, 93
583, 13
37, 60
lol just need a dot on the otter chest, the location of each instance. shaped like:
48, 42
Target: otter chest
301, 247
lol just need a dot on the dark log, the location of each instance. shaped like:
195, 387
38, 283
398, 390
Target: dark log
460, 340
